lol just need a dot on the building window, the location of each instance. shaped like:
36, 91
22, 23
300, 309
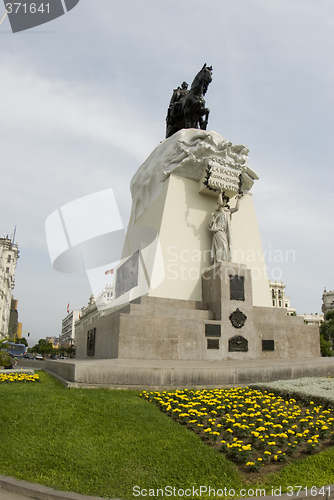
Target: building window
9, 258
273, 293
273, 303
286, 305
280, 303
7, 269
279, 294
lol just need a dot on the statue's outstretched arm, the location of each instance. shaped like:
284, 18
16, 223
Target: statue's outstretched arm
236, 208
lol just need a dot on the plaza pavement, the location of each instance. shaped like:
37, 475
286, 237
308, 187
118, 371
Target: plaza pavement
13, 489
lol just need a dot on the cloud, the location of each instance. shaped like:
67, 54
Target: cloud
34, 103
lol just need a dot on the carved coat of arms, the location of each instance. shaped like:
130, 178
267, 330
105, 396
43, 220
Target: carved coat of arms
238, 318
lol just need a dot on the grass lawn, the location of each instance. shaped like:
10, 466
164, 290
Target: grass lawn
101, 442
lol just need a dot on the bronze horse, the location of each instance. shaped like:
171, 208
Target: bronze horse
187, 107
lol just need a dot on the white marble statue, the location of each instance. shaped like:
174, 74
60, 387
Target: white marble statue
220, 224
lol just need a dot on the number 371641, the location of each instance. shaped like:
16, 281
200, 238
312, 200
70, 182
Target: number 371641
15, 7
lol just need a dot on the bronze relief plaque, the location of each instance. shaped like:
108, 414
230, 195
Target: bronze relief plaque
127, 275
213, 343
212, 330
268, 345
237, 287
238, 344
91, 342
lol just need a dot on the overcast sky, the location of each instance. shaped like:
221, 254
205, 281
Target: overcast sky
84, 101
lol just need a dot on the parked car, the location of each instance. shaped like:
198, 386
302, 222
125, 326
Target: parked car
38, 356
29, 355
53, 356
64, 357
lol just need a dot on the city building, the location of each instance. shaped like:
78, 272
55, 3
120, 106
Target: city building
278, 297
312, 319
67, 337
108, 293
54, 341
9, 254
19, 331
327, 301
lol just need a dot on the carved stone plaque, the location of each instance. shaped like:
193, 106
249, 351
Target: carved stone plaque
91, 342
238, 318
237, 287
213, 343
268, 345
238, 344
223, 177
127, 275
213, 330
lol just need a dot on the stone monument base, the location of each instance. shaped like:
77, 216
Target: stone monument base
223, 340
224, 325
171, 375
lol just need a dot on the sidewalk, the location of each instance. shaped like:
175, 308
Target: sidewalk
13, 489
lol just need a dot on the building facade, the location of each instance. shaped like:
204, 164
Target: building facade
67, 337
278, 297
54, 341
327, 301
9, 254
312, 319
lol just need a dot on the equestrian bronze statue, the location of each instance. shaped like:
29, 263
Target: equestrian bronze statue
187, 107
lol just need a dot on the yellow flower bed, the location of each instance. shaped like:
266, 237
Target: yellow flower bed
18, 377
253, 427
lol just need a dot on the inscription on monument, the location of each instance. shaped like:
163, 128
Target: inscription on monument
223, 178
91, 342
213, 343
213, 330
238, 344
268, 345
127, 275
237, 288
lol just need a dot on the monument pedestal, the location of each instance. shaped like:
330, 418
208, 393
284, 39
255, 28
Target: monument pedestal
224, 325
169, 196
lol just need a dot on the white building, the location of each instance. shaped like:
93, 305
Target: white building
312, 319
9, 254
278, 297
67, 337
108, 293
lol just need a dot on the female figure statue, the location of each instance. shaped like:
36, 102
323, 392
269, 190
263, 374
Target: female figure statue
220, 224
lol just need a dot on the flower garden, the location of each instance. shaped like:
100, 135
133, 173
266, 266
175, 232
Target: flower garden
18, 377
252, 427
